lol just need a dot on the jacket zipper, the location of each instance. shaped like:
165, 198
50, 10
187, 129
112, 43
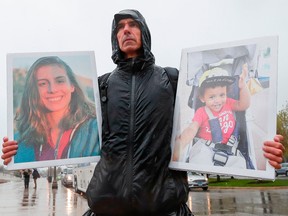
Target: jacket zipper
131, 139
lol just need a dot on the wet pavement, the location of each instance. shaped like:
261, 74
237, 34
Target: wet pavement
45, 201
264, 201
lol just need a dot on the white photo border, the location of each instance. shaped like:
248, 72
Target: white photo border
67, 57
266, 171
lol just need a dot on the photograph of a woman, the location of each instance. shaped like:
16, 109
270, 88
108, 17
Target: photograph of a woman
55, 118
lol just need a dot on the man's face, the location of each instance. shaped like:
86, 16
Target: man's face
129, 37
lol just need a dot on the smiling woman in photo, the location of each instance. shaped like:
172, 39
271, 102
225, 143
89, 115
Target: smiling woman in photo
55, 120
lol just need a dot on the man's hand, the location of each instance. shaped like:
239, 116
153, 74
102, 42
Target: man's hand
9, 149
273, 151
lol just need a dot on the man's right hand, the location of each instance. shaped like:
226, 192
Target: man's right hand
9, 149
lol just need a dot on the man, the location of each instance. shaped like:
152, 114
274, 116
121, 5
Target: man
132, 176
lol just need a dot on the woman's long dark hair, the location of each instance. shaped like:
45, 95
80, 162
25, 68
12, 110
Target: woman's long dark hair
31, 121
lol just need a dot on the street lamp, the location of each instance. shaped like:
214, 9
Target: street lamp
49, 174
54, 183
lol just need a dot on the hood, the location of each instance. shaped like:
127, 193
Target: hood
117, 55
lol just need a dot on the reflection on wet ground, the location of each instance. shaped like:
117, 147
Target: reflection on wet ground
45, 201
15, 200
26, 199
239, 202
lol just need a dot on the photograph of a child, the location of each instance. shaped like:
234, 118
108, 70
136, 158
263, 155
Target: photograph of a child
214, 122
55, 114
219, 126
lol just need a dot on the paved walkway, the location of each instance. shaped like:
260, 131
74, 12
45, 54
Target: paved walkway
43, 201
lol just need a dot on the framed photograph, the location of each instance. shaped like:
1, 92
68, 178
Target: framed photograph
226, 108
53, 108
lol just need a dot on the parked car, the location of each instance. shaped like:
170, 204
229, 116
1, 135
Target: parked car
196, 180
67, 177
283, 170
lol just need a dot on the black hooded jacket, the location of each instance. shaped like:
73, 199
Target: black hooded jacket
132, 176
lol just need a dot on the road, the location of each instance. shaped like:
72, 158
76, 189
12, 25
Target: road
239, 202
15, 200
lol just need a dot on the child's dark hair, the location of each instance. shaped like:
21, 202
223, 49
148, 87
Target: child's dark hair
204, 86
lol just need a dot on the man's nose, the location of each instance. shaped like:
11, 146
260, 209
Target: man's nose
126, 28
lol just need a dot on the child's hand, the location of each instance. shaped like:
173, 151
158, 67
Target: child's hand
178, 148
243, 75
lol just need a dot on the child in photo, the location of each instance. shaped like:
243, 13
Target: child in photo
213, 124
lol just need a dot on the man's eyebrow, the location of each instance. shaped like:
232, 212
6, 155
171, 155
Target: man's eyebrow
133, 21
129, 22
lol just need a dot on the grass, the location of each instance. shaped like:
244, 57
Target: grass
228, 182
